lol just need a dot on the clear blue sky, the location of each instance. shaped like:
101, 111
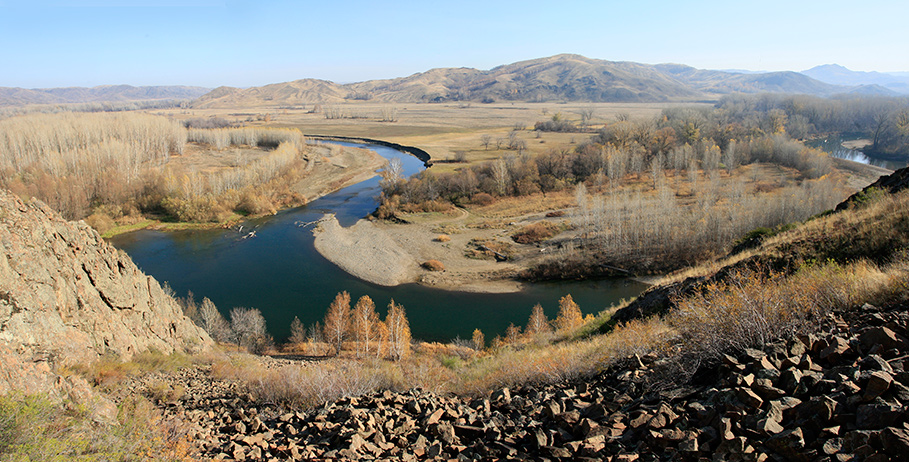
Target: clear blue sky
212, 43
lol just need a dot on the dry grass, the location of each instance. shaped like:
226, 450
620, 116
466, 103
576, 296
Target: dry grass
33, 427
751, 308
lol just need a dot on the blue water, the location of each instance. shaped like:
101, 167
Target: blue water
279, 272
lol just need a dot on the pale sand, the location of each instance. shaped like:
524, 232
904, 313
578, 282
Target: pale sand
391, 254
366, 252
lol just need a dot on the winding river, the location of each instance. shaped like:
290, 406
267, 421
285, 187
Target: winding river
279, 272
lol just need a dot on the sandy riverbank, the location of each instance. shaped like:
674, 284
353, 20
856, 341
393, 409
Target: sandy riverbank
390, 254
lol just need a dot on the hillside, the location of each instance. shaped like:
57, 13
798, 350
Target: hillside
68, 298
12, 96
558, 78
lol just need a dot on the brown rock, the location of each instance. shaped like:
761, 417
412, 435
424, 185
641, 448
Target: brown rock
836, 348
878, 383
895, 441
882, 336
748, 397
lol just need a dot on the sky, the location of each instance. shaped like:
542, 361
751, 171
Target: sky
211, 43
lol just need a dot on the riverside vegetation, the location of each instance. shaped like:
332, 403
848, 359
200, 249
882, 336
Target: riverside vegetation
106, 167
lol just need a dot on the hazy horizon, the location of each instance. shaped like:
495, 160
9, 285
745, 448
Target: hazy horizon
209, 43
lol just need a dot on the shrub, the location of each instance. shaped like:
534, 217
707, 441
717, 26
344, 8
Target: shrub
443, 238
433, 265
482, 199
534, 233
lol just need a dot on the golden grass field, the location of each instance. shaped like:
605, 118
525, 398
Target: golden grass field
441, 129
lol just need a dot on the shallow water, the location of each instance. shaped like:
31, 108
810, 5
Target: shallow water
279, 272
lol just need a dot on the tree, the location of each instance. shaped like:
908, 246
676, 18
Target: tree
249, 329
478, 340
364, 324
211, 320
569, 314
297, 332
485, 140
336, 324
398, 331
538, 323
512, 333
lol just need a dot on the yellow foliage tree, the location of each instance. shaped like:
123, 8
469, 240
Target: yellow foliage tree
365, 320
398, 331
570, 315
538, 323
336, 325
478, 340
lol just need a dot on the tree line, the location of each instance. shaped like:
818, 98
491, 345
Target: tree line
359, 329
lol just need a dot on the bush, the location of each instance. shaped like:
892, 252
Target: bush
433, 265
443, 238
534, 233
482, 199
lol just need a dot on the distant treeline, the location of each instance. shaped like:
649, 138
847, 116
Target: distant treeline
106, 106
884, 120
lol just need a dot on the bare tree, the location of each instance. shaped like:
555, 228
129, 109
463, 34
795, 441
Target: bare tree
248, 327
297, 332
500, 172
586, 114
485, 140
364, 324
478, 340
213, 322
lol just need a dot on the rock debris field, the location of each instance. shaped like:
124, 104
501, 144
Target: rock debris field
839, 395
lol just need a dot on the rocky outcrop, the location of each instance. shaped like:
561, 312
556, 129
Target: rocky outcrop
839, 394
69, 297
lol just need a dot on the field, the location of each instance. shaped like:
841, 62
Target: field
441, 129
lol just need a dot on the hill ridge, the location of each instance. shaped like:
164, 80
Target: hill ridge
563, 77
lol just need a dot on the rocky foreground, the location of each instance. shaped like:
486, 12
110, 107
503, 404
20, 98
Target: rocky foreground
840, 395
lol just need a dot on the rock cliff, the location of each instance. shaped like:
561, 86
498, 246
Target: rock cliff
69, 297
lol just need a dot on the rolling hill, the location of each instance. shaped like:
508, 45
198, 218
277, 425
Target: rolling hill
13, 96
563, 77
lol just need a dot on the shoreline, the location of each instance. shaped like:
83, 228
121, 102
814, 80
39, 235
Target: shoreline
327, 168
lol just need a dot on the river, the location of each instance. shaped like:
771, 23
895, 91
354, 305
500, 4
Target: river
834, 146
279, 272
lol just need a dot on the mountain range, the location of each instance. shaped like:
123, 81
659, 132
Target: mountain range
564, 77
558, 78
838, 75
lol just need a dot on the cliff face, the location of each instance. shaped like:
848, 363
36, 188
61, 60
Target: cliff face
67, 297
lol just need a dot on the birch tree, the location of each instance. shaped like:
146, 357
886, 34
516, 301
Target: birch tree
398, 331
336, 324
